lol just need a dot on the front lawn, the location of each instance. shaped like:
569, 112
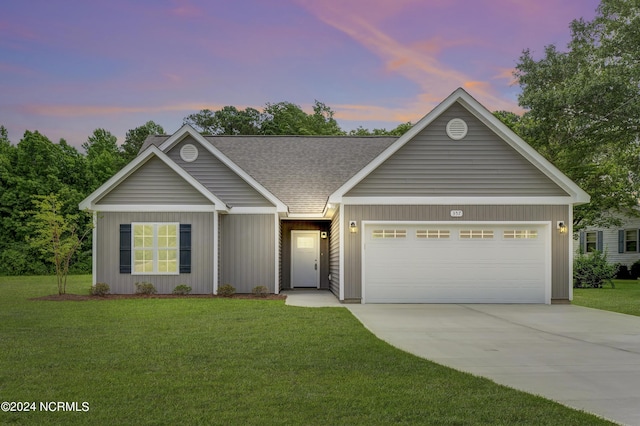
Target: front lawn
623, 298
228, 361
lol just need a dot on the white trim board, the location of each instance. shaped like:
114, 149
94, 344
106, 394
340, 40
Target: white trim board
462, 201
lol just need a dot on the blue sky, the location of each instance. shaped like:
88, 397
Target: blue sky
68, 67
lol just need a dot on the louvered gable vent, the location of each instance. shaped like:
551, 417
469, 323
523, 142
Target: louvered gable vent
456, 129
189, 153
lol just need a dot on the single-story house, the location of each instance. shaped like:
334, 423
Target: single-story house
457, 210
620, 243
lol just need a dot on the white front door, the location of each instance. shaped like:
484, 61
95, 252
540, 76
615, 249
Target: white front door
305, 259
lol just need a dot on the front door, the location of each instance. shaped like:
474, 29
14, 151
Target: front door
305, 259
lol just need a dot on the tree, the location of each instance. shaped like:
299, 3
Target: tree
135, 137
56, 236
282, 118
400, 130
286, 118
583, 109
321, 122
227, 121
103, 156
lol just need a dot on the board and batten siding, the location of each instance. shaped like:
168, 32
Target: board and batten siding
223, 182
334, 254
432, 164
108, 252
247, 251
560, 243
154, 183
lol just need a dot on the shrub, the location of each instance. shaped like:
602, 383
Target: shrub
635, 270
182, 289
623, 272
260, 291
592, 270
100, 289
226, 290
145, 288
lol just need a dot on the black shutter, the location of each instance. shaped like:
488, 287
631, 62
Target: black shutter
125, 248
638, 240
599, 242
185, 248
621, 241
583, 244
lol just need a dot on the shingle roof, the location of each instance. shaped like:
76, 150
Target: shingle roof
302, 171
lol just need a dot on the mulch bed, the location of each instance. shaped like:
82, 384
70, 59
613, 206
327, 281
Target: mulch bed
83, 298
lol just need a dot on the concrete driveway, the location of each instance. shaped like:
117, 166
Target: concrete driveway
584, 358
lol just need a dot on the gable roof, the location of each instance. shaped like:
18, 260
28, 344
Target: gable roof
576, 194
92, 201
301, 171
187, 130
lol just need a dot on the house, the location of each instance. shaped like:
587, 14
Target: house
457, 210
621, 244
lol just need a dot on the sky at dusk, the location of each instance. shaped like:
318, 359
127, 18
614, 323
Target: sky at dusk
68, 67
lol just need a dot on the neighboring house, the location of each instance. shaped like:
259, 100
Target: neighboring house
457, 210
621, 244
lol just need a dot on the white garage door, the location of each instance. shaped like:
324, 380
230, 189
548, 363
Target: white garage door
456, 263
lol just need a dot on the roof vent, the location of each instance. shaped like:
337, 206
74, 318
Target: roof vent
457, 129
189, 153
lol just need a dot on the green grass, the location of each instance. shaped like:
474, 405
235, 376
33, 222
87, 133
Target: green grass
229, 361
623, 298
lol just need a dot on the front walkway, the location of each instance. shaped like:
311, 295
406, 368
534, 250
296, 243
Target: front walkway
311, 298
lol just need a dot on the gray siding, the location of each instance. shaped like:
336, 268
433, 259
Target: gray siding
334, 254
218, 178
610, 241
154, 183
559, 243
432, 164
247, 251
108, 253
285, 248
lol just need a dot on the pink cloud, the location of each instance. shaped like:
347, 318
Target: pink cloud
420, 62
103, 110
185, 9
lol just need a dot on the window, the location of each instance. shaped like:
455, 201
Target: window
155, 248
520, 234
591, 242
433, 233
631, 240
476, 234
389, 233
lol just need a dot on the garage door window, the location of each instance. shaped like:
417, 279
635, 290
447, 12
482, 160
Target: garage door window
433, 233
520, 234
389, 233
481, 234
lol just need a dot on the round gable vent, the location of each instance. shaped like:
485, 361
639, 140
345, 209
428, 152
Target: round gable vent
456, 129
189, 153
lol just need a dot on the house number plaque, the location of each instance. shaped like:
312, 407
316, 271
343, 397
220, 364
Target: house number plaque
456, 213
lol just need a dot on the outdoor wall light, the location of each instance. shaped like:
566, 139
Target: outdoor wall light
353, 226
562, 227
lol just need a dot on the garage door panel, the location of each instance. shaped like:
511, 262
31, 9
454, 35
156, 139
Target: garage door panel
455, 294
455, 270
